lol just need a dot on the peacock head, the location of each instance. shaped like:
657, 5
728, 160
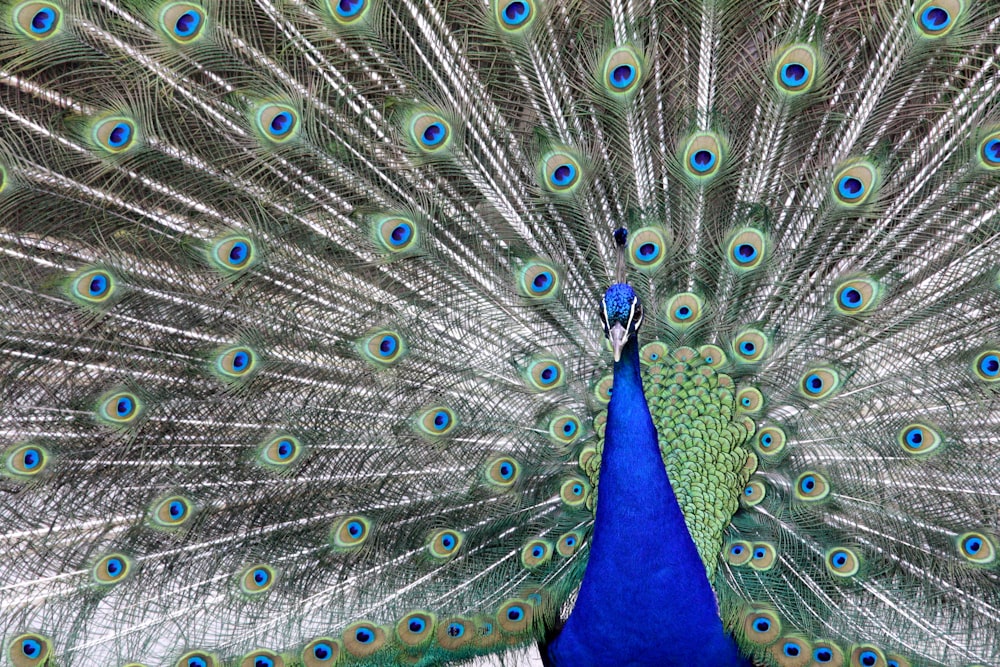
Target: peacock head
622, 315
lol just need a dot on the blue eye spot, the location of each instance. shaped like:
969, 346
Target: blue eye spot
549, 375
747, 347
176, 509
541, 282
240, 361
448, 542
120, 135
893, 663
569, 428
98, 285
868, 658
850, 298
914, 437
744, 252
516, 13
935, 18
991, 151
322, 651
682, 313
648, 252
759, 553
285, 449
260, 576
355, 528
197, 662
456, 630
794, 74
441, 419
746, 401
387, 346
43, 21
400, 234
972, 545
989, 365
737, 549
571, 541
515, 614
187, 24
850, 187
350, 8
702, 160
434, 134
114, 566
31, 647
31, 458
807, 484
563, 175
238, 253
263, 661
814, 384
124, 406
416, 625
762, 625
506, 470
281, 123
791, 649
822, 655
766, 440
364, 636
622, 76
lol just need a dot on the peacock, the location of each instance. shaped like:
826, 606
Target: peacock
414, 332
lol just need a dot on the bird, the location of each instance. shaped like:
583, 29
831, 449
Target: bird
413, 332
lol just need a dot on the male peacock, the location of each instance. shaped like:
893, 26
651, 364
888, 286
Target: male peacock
304, 359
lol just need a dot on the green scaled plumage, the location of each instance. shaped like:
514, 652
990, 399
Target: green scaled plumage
301, 361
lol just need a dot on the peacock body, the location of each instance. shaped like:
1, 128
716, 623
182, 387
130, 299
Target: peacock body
324, 341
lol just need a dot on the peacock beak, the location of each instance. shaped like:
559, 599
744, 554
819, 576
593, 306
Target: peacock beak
618, 336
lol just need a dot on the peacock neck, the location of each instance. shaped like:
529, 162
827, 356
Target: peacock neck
645, 598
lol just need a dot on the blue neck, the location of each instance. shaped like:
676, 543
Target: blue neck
645, 598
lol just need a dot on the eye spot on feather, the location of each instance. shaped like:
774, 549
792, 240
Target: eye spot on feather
819, 383
750, 346
92, 287
544, 375
455, 632
977, 548
647, 248
515, 616
25, 461
602, 390
257, 579
826, 652
535, 554
430, 132
746, 249
182, 22
842, 562
703, 156
795, 69
416, 628
515, 15
918, 439
653, 353
568, 544
235, 363
171, 512
197, 659
350, 532
503, 472
791, 651
111, 569
436, 422
396, 234
114, 135
770, 441
763, 556
29, 650
574, 492
539, 280
855, 183
232, 254
560, 172
749, 400
738, 553
898, 661
989, 151
382, 348
280, 451
937, 18
363, 638
119, 408
987, 366
867, 656
856, 296
445, 544
38, 20
683, 310
347, 12
277, 122
564, 429
753, 493
321, 652
713, 355
262, 658
623, 71
761, 627
811, 487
